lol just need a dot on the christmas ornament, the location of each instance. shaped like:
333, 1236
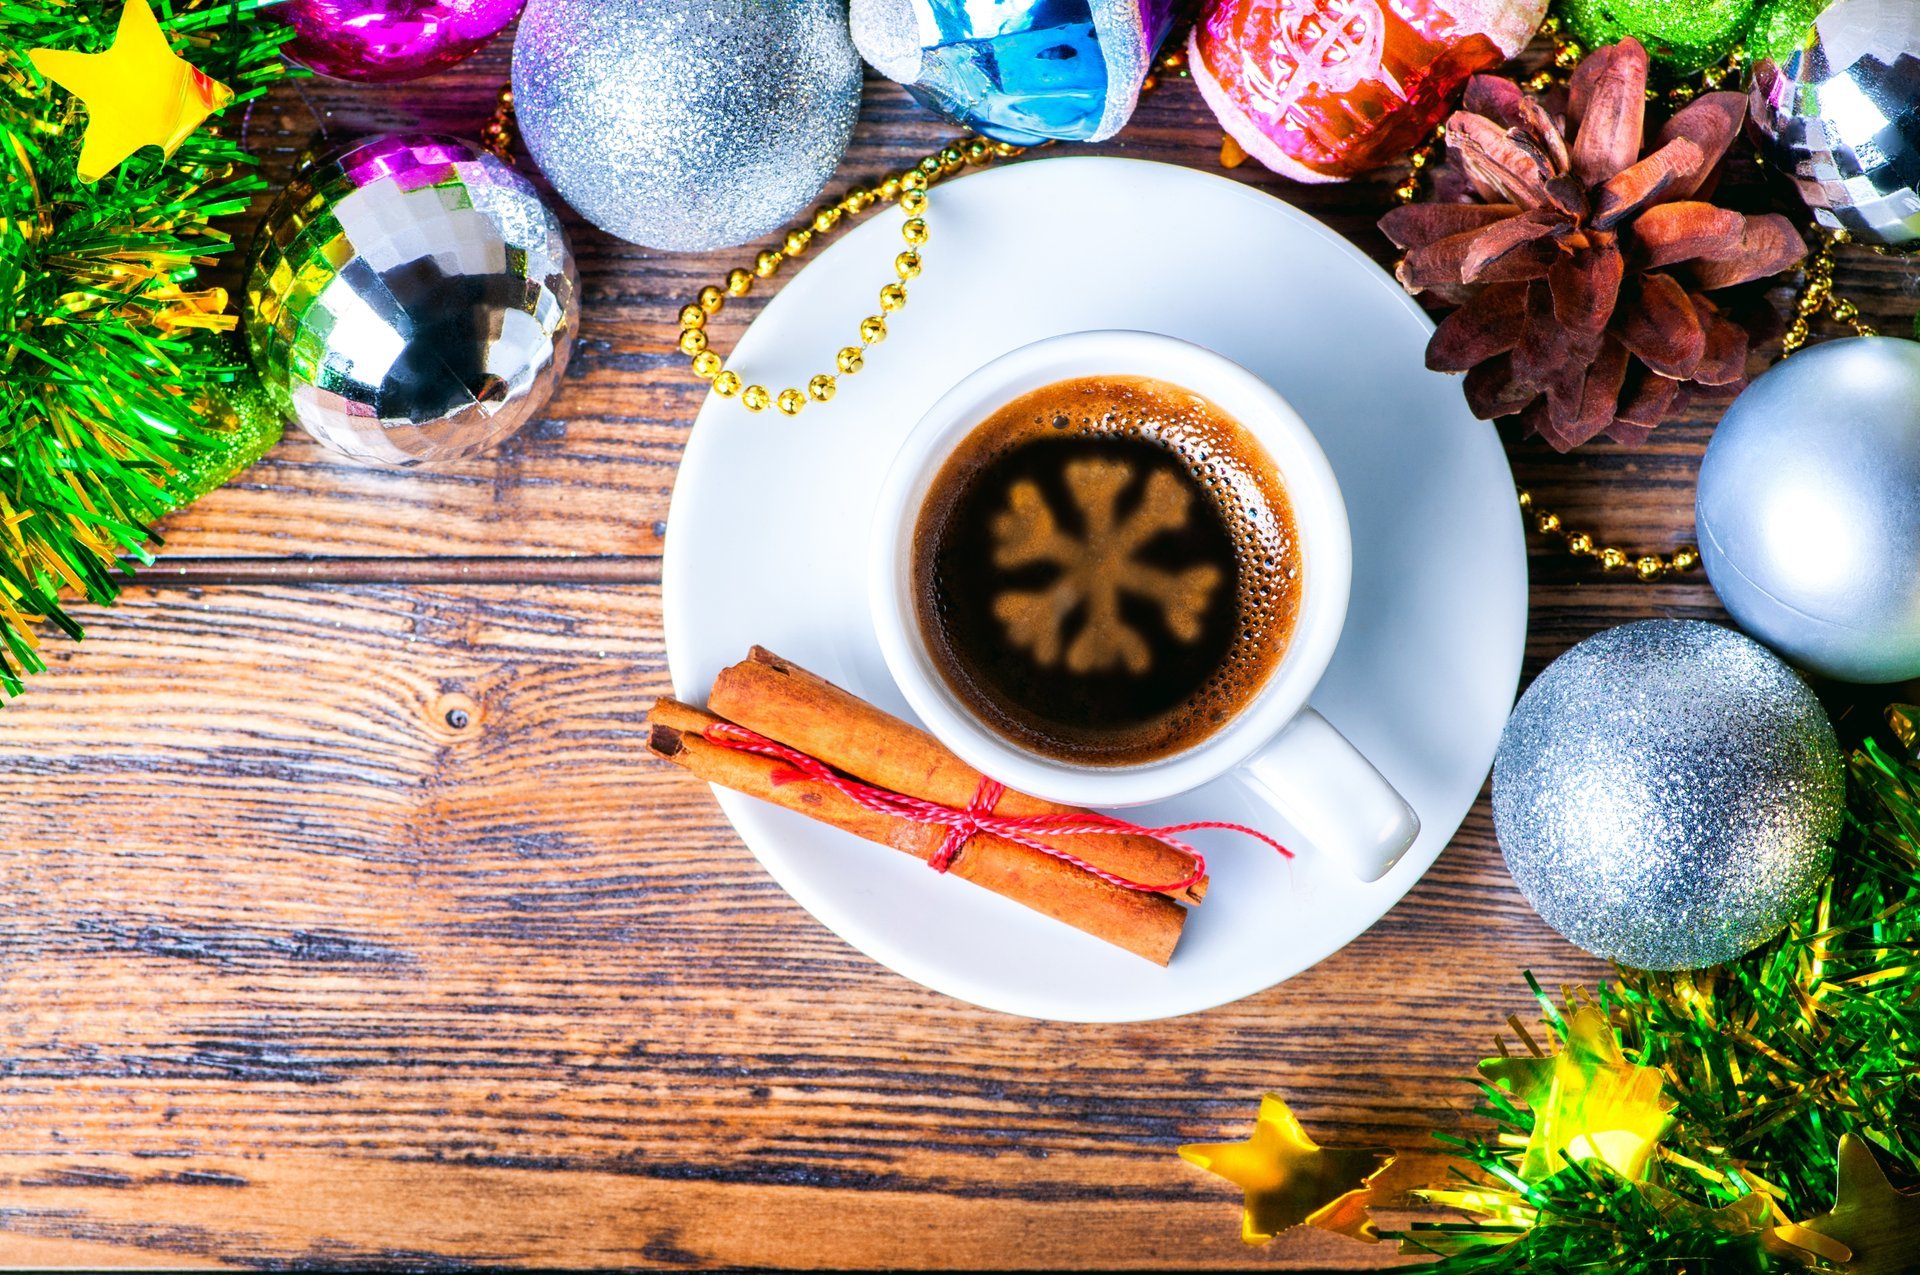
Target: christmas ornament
1879, 1226
1665, 794
1805, 511
1290, 1180
242, 425
138, 92
410, 300
1687, 37
1781, 27
1323, 90
686, 124
1021, 71
117, 354
1691, 37
1839, 113
1588, 1101
1584, 273
381, 41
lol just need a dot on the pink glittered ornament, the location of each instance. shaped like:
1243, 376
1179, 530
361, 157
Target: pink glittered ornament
380, 41
1323, 90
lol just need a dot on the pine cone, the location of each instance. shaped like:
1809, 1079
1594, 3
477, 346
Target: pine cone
1584, 269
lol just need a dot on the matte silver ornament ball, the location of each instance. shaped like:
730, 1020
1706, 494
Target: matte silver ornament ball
1666, 794
1808, 510
1840, 115
410, 299
688, 125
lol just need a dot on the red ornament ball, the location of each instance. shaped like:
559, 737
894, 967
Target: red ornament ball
1323, 90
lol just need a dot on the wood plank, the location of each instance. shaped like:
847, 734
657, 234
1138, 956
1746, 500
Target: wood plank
193, 573
294, 969
322, 1214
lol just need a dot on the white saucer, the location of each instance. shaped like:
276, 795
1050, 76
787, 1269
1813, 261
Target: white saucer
766, 544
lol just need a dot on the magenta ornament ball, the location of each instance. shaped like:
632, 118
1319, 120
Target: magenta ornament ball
381, 41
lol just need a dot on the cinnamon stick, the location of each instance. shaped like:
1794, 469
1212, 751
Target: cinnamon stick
804, 711
1147, 925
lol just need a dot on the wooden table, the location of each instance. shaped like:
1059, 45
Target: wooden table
294, 970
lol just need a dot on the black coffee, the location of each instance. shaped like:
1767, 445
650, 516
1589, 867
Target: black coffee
1106, 570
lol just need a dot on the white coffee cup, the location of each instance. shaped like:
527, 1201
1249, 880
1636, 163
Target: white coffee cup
1290, 756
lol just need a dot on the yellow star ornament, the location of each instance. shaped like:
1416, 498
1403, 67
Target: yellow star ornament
1290, 1181
138, 93
1588, 1102
1876, 1227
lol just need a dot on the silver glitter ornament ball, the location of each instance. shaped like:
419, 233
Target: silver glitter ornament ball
688, 125
1808, 512
1666, 794
1840, 114
410, 299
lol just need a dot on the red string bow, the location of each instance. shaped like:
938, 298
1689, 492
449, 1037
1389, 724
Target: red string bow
964, 823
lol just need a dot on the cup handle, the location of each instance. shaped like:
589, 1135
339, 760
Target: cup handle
1333, 796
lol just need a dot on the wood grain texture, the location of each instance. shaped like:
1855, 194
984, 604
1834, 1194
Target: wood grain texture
295, 971
508, 993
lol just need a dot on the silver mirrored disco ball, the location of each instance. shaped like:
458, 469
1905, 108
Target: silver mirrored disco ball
410, 299
1840, 115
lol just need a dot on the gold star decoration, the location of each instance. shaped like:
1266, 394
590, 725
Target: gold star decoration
1289, 1180
138, 93
1877, 1226
1588, 1102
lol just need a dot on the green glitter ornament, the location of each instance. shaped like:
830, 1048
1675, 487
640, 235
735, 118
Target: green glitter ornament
1686, 36
1682, 35
1781, 27
242, 425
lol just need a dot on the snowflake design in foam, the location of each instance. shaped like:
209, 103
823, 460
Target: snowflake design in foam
1096, 569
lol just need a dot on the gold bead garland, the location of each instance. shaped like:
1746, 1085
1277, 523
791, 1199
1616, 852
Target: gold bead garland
1417, 163
1647, 567
1565, 57
1815, 296
497, 135
1709, 80
909, 190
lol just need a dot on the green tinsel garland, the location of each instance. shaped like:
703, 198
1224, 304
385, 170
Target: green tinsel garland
117, 382
1770, 1059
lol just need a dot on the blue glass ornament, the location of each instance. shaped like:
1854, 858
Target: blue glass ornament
1019, 71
